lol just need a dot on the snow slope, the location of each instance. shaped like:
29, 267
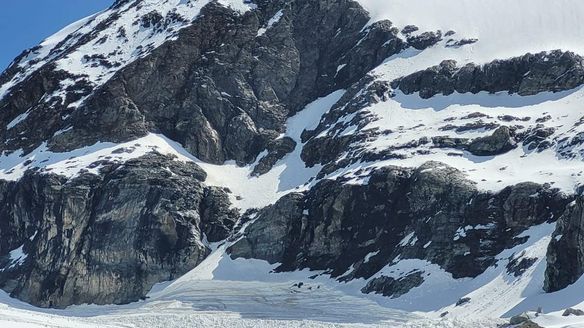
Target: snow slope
289, 174
225, 293
504, 28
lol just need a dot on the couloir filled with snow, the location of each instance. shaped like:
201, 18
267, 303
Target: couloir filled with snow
243, 293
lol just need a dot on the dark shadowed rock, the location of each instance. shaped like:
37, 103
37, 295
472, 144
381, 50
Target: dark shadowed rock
108, 238
518, 266
334, 226
393, 288
519, 319
574, 312
498, 143
463, 301
425, 40
537, 138
281, 222
460, 43
276, 150
527, 75
409, 29
529, 324
565, 254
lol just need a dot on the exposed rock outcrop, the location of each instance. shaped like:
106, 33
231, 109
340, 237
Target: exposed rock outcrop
431, 213
498, 143
572, 312
108, 238
565, 255
425, 40
276, 150
526, 75
392, 287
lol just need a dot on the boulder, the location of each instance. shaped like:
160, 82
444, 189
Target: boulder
392, 287
498, 143
424, 40
519, 319
575, 312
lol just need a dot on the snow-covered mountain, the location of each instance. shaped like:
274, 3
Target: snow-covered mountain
258, 163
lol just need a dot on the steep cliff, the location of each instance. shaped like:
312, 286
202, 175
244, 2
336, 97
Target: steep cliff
107, 238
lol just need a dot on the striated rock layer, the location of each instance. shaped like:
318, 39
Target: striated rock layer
109, 238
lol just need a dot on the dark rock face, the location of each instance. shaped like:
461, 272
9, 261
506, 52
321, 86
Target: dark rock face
519, 319
425, 40
409, 29
324, 150
282, 222
565, 255
277, 149
450, 142
220, 89
430, 213
463, 301
527, 75
517, 267
574, 312
536, 138
498, 143
392, 287
451, 43
501, 141
108, 238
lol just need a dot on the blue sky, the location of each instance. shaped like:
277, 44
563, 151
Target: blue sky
25, 23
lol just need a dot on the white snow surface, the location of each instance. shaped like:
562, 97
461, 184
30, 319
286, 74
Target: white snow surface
504, 28
274, 20
222, 292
